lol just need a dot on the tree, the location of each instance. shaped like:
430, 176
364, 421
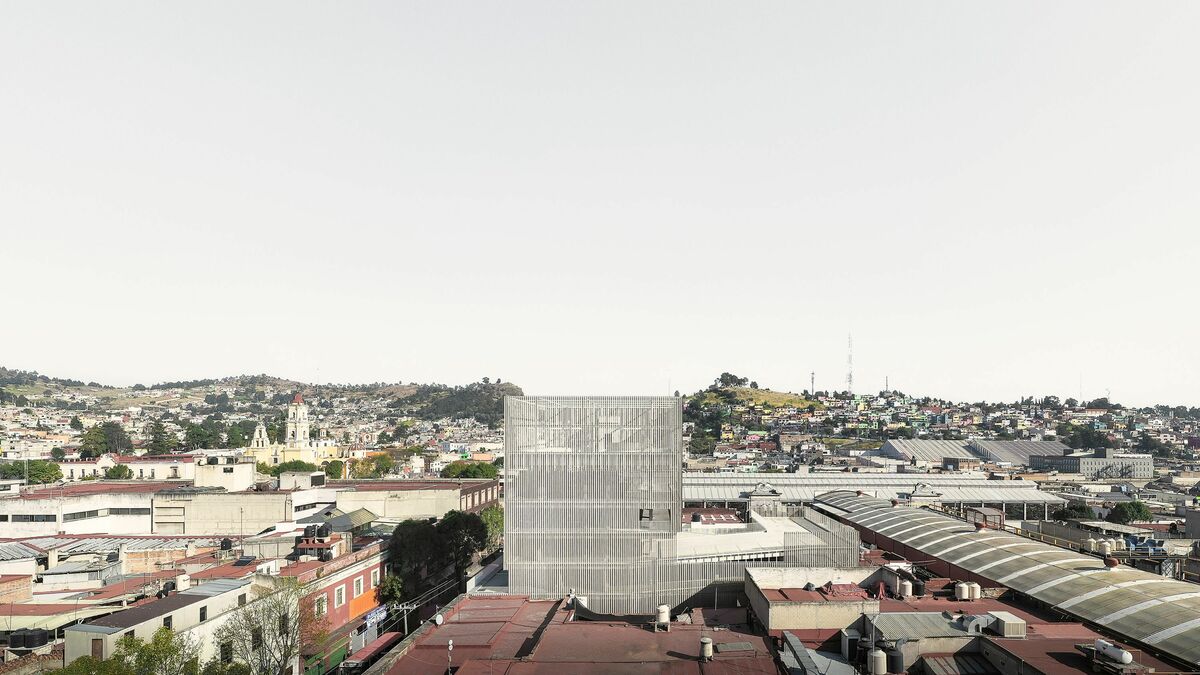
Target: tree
390, 590
76, 423
167, 653
1074, 510
384, 438
1127, 512
416, 552
334, 469
294, 465
40, 471
107, 437
463, 469
161, 441
702, 444
265, 633
58, 454
493, 519
463, 534
118, 472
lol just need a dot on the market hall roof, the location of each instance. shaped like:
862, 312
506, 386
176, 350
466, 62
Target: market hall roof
1160, 613
795, 487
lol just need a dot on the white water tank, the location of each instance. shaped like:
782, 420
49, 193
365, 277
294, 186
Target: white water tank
876, 662
974, 591
706, 648
1105, 547
960, 591
664, 614
905, 588
1114, 652
1090, 545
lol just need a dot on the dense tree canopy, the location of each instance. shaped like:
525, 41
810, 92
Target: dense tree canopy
40, 471
462, 469
118, 472
1127, 512
102, 438
1074, 510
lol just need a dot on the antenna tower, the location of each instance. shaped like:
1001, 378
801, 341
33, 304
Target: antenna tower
850, 363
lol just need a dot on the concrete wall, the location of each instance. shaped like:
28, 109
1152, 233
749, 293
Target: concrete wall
400, 504
232, 477
220, 513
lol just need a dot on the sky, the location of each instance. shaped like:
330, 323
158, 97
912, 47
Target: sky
996, 200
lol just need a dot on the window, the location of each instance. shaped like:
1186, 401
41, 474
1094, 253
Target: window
4, 518
34, 518
152, 473
358, 586
226, 652
128, 512
321, 606
255, 638
339, 596
141, 473
80, 515
374, 578
241, 599
203, 614
228, 469
167, 621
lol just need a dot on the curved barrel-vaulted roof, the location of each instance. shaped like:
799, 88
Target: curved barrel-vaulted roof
1162, 614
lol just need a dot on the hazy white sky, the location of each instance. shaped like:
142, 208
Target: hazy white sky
997, 199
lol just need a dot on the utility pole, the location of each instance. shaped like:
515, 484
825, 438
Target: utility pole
812, 384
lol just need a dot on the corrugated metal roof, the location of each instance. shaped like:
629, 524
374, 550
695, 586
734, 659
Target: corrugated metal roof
927, 451
1160, 613
699, 487
14, 550
70, 545
1015, 452
914, 625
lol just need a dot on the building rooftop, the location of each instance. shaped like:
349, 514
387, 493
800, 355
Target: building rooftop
97, 487
150, 610
796, 487
515, 635
1157, 612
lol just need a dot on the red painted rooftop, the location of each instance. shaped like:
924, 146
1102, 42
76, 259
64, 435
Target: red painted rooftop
96, 487
398, 485
501, 635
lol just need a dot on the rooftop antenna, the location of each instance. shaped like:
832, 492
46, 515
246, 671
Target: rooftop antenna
850, 363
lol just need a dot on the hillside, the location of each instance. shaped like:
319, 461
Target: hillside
263, 393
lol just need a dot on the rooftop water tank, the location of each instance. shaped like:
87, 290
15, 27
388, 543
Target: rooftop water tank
706, 648
960, 591
906, 588
16, 639
876, 662
1113, 652
226, 544
974, 590
895, 660
664, 614
919, 588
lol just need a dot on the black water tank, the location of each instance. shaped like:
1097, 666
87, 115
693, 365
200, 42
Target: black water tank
696, 517
226, 544
169, 586
310, 531
895, 660
16, 639
919, 588
325, 530
38, 637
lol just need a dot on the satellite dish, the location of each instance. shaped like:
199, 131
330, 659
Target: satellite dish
437, 618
